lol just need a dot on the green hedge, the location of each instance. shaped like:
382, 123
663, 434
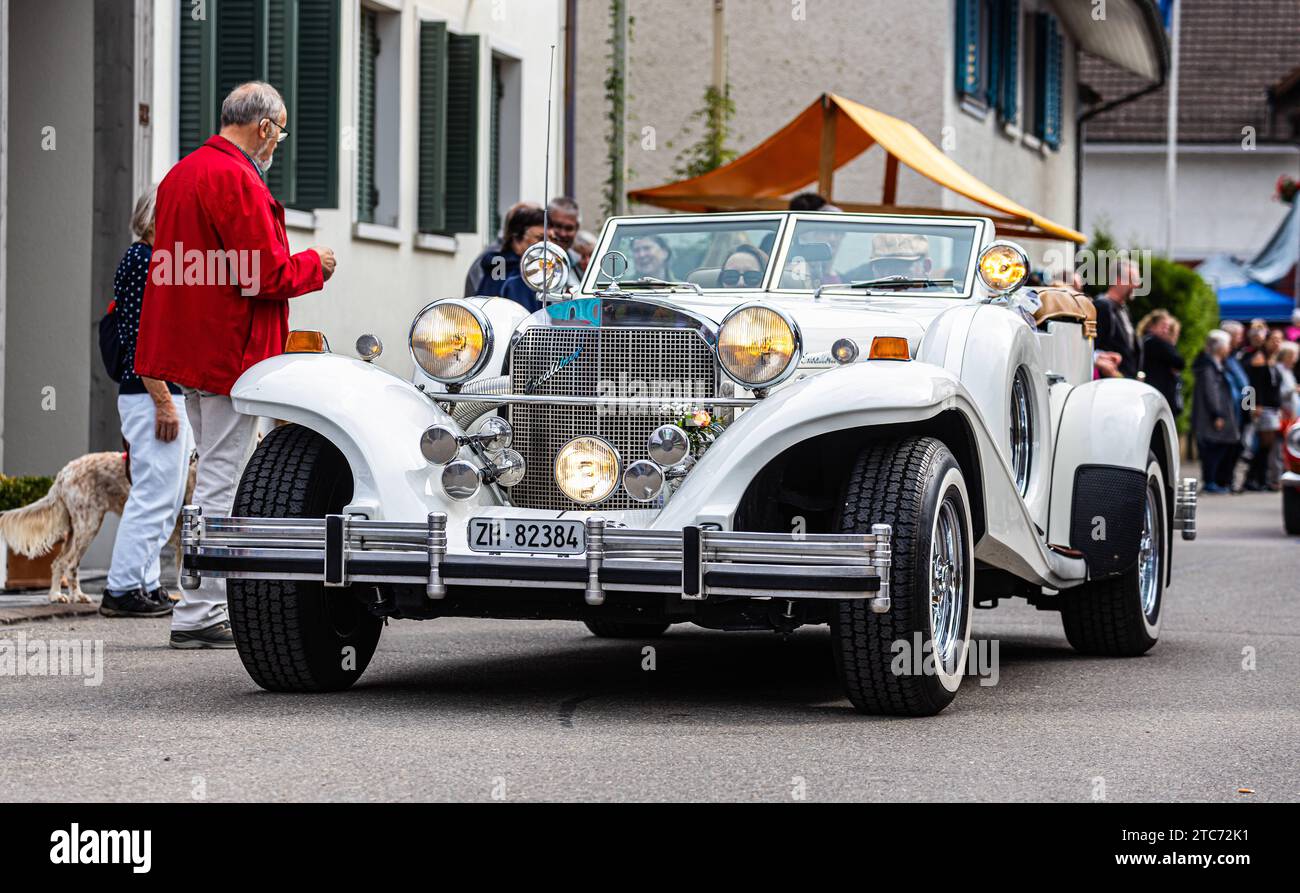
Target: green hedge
1179, 290
18, 492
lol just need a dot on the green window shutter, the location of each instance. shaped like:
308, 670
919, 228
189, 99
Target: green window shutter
433, 119
367, 51
968, 47
240, 27
1051, 48
494, 151
195, 77
281, 68
316, 105
1010, 59
462, 133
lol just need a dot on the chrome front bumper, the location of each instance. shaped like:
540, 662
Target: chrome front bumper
1185, 507
694, 562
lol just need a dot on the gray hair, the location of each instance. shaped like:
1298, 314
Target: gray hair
142, 216
564, 205
1232, 327
1216, 339
1288, 349
250, 102
585, 237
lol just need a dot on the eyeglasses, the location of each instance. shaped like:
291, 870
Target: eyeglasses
282, 135
733, 277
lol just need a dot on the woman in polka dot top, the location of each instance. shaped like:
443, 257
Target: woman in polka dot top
157, 432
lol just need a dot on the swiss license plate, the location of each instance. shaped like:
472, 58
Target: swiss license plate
527, 535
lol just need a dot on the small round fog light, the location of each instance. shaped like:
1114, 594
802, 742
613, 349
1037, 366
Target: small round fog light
369, 347
496, 434
509, 468
586, 469
460, 479
439, 444
845, 351
643, 480
668, 445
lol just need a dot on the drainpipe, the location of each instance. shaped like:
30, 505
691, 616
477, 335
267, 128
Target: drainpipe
570, 91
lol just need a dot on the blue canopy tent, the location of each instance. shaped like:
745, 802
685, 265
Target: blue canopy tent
1254, 301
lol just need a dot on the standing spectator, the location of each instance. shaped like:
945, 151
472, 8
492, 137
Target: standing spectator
498, 268
204, 335
526, 230
1238, 382
1214, 416
1161, 361
583, 246
1114, 325
1266, 383
486, 264
1293, 331
158, 442
564, 219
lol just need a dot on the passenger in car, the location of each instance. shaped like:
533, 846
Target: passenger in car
653, 258
743, 268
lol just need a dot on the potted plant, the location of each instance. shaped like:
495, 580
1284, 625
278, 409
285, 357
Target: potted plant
18, 571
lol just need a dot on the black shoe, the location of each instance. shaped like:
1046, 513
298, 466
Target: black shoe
132, 603
216, 636
162, 597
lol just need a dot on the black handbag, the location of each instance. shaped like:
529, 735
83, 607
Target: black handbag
110, 345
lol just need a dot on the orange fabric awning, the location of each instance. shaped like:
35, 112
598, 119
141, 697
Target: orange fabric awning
825, 136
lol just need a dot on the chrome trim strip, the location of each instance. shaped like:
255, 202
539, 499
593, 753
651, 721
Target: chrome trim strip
416, 553
588, 400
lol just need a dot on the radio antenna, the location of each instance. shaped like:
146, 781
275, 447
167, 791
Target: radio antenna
546, 185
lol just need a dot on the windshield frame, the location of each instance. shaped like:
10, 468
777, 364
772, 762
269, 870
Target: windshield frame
966, 285
781, 218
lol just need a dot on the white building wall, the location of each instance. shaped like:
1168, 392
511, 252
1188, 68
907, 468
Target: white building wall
1224, 199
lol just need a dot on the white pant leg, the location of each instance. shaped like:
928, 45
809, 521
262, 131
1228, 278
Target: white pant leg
225, 439
158, 472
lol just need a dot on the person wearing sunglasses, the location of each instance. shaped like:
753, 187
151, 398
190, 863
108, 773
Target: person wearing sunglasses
743, 268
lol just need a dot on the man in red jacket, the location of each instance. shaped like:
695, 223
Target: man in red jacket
216, 303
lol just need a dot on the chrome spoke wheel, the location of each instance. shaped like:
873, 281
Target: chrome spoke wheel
947, 582
1149, 549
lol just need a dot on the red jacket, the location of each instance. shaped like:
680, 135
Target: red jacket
221, 275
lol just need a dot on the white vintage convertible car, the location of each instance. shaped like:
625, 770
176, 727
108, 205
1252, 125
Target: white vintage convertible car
743, 421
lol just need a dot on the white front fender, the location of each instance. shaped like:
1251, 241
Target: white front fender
374, 418
862, 396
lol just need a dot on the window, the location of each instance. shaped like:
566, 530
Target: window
988, 35
292, 44
448, 121
378, 116
504, 156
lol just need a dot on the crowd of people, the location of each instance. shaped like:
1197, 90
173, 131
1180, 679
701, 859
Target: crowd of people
1245, 392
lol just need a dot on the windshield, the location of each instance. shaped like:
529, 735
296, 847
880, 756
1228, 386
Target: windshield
727, 254
829, 252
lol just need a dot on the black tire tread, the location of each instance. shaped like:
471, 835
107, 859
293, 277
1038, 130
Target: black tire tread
1291, 510
1104, 617
280, 480
885, 485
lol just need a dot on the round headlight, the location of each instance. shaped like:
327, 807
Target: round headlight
643, 480
1293, 439
544, 267
451, 340
586, 469
758, 346
1003, 267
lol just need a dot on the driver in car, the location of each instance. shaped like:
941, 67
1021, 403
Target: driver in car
897, 254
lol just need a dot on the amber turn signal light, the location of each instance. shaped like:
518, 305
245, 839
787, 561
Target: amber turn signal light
885, 347
306, 341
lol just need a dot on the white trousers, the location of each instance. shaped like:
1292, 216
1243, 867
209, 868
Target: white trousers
225, 439
158, 473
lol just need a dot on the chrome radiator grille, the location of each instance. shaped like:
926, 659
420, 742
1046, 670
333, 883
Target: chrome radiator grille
574, 361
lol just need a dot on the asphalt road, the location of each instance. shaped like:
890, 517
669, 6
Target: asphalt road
472, 710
